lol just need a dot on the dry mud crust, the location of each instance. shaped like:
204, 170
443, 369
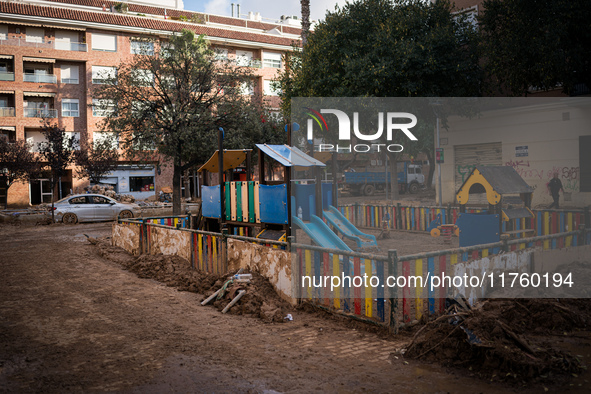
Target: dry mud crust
509, 340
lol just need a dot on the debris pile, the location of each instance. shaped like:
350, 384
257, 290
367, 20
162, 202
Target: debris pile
109, 191
509, 340
259, 300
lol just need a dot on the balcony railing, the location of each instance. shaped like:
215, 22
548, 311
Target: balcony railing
40, 78
40, 113
6, 76
71, 46
6, 111
49, 44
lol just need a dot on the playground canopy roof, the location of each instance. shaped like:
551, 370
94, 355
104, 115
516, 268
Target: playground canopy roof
289, 156
496, 180
232, 159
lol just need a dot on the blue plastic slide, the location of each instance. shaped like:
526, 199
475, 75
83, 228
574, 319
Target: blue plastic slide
342, 224
320, 233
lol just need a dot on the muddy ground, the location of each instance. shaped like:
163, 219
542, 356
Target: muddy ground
76, 320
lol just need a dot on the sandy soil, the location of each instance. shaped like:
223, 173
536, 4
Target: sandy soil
73, 321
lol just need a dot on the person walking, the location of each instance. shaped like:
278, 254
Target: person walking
555, 186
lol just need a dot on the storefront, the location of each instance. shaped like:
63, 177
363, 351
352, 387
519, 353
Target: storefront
135, 180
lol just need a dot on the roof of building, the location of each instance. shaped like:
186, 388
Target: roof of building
108, 18
175, 13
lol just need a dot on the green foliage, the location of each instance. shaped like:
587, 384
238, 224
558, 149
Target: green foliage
121, 7
17, 162
542, 44
177, 104
97, 159
383, 48
183, 18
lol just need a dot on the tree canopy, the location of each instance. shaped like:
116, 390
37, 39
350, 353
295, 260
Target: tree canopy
532, 45
384, 48
176, 101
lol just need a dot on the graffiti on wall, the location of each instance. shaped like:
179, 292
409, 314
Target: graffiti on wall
569, 176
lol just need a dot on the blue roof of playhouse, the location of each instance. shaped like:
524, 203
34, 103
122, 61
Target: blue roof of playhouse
289, 156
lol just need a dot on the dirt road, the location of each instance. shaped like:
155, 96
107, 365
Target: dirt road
72, 321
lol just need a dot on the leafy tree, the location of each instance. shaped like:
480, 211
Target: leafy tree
387, 48
17, 163
56, 153
173, 104
542, 44
96, 160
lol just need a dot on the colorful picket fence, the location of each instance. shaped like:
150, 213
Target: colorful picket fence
409, 218
385, 306
171, 221
315, 263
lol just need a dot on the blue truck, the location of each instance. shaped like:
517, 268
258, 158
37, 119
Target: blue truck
410, 178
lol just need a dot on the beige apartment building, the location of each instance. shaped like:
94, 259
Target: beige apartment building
52, 53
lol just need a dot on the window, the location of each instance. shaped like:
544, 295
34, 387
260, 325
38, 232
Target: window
269, 89
143, 77
76, 135
78, 200
35, 34
221, 54
101, 74
69, 74
66, 40
104, 42
139, 47
243, 58
141, 183
3, 32
101, 200
103, 108
99, 137
70, 108
247, 88
271, 59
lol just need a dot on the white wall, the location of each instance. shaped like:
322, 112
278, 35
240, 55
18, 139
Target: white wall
553, 145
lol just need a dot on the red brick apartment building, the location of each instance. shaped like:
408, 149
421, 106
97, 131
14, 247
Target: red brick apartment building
51, 52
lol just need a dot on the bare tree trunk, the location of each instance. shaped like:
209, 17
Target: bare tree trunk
305, 20
431, 169
176, 189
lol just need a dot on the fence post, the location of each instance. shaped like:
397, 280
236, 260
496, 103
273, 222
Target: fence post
144, 237
295, 270
449, 216
505, 247
224, 249
398, 218
393, 292
356, 214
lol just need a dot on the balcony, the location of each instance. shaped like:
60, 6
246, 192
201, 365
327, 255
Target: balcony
71, 46
65, 46
6, 76
40, 78
40, 113
6, 111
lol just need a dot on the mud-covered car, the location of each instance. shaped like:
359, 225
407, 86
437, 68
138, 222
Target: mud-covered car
92, 208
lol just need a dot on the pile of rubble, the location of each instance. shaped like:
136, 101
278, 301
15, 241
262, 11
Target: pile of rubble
109, 191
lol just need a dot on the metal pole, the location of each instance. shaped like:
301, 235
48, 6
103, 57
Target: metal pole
438, 166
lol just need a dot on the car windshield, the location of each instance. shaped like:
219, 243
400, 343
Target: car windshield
62, 200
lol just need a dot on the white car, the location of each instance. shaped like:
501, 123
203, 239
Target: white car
92, 208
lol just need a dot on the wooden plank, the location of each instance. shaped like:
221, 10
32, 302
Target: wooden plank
233, 199
244, 201
257, 204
